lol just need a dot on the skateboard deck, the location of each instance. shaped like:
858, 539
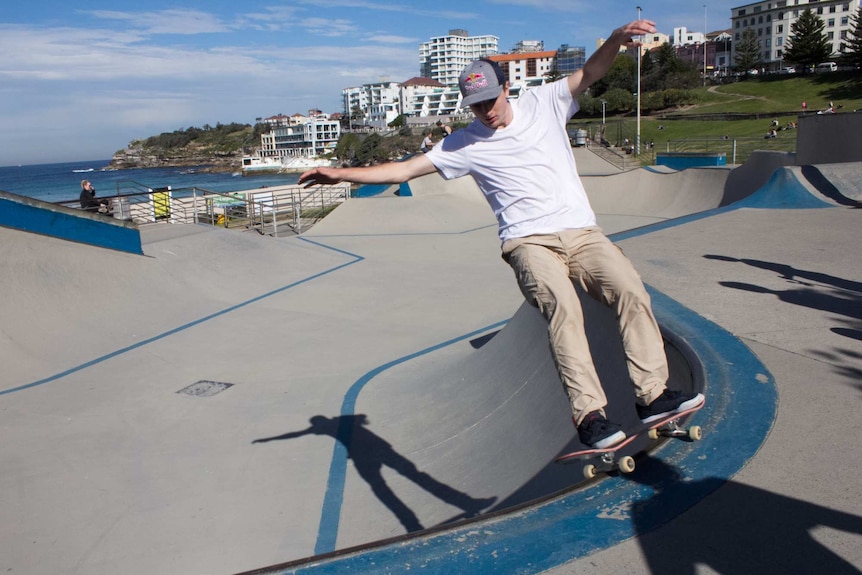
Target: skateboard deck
606, 458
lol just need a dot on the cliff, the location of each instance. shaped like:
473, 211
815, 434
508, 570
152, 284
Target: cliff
219, 148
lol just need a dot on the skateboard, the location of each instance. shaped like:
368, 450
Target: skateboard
606, 458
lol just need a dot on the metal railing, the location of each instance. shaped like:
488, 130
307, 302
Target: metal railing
270, 211
737, 150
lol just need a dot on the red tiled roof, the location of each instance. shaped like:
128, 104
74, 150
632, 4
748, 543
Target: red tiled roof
523, 56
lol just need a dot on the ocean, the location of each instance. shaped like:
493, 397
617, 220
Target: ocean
62, 182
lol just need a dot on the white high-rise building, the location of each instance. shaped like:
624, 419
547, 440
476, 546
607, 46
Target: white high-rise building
444, 57
772, 20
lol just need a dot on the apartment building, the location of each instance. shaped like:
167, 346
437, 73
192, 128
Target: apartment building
570, 59
319, 135
526, 69
772, 21
376, 103
443, 58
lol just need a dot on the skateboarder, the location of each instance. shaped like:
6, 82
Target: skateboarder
519, 154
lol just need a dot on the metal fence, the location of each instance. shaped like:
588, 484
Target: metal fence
281, 210
616, 143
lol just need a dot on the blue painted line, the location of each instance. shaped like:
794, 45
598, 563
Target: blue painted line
197, 322
329, 518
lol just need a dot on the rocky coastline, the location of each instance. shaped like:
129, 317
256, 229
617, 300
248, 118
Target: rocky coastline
137, 156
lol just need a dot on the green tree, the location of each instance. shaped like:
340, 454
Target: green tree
347, 146
666, 71
853, 51
621, 75
808, 43
747, 51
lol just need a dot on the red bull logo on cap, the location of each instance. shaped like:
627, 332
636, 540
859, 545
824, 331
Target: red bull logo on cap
475, 81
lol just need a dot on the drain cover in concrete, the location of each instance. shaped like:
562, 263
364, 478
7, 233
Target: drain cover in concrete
205, 388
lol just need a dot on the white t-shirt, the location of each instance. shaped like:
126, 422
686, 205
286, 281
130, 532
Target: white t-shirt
526, 170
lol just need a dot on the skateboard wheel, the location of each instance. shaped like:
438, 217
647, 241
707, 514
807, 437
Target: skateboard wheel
627, 464
589, 471
652, 434
695, 433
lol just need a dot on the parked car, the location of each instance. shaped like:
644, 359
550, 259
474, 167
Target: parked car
826, 67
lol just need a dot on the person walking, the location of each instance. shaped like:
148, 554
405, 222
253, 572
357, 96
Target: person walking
519, 154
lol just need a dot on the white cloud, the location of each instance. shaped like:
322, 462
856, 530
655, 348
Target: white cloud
165, 21
392, 39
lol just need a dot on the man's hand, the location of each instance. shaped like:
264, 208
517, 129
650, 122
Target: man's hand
625, 34
320, 176
602, 59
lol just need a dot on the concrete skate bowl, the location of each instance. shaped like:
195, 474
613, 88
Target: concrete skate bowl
483, 416
450, 424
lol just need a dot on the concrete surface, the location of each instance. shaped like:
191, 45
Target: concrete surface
386, 378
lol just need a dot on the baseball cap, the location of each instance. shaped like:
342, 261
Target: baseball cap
481, 80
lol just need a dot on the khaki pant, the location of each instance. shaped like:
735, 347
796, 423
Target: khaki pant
546, 267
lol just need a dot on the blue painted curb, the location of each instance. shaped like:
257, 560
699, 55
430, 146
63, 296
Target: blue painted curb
38, 217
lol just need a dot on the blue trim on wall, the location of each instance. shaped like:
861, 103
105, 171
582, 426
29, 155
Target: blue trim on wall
48, 219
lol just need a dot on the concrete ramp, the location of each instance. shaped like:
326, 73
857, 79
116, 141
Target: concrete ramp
480, 424
383, 376
841, 183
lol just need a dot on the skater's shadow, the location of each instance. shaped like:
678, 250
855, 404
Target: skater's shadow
370, 453
736, 528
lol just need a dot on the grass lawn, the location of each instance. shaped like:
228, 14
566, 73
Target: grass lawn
778, 95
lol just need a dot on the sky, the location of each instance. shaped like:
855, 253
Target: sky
81, 80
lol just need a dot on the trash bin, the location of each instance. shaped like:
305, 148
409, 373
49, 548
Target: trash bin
581, 138
121, 208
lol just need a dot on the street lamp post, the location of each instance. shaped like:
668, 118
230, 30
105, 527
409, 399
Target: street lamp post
638, 134
704, 44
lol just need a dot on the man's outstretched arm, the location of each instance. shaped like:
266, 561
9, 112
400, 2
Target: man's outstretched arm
388, 173
603, 58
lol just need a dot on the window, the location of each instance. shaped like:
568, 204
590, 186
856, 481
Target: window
741, 13
832, 9
779, 29
779, 41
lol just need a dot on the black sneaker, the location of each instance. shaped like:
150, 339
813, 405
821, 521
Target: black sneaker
598, 433
668, 403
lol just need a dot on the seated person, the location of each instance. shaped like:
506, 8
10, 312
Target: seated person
89, 202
